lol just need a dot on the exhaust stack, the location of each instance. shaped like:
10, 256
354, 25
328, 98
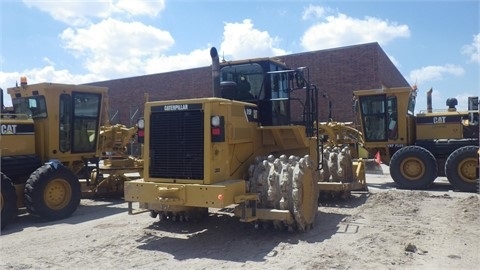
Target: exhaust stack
215, 72
429, 100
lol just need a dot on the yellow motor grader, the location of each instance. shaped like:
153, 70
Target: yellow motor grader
51, 139
240, 151
420, 147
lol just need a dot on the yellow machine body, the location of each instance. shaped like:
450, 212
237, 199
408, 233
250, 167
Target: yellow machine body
224, 164
419, 147
234, 152
17, 136
435, 125
52, 138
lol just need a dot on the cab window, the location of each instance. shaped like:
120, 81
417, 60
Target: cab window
392, 118
65, 123
86, 108
374, 117
34, 107
246, 79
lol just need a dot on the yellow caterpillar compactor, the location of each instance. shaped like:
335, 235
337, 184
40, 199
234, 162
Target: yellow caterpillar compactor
50, 139
239, 151
420, 147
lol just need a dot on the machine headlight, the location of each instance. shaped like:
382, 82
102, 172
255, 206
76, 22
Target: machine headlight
216, 121
141, 123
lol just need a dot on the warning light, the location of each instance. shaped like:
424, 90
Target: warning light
220, 197
23, 80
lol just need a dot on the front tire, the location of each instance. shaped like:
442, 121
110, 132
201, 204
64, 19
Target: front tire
461, 168
413, 167
52, 192
8, 201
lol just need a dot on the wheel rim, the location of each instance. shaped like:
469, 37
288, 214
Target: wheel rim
467, 169
412, 169
58, 194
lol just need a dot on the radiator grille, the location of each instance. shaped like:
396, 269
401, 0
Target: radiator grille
176, 145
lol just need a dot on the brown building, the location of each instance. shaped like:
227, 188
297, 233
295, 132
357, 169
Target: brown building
336, 72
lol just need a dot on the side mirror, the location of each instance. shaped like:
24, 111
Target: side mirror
299, 79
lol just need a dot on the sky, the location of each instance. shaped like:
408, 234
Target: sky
434, 44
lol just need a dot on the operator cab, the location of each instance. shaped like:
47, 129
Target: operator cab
267, 83
66, 116
380, 112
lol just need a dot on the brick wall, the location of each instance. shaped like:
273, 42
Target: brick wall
336, 72
128, 94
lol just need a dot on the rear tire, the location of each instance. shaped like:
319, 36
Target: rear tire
413, 167
8, 201
52, 192
461, 168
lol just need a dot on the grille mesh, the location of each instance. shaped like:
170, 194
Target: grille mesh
176, 145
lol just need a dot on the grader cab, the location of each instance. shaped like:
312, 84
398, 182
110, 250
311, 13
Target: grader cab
241, 151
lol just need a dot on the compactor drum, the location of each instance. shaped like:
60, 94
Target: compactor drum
287, 183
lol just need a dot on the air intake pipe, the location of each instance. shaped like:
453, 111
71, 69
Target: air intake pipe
429, 101
215, 72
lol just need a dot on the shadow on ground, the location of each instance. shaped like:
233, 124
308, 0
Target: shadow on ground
230, 239
87, 210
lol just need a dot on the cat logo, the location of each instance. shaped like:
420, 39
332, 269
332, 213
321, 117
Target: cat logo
8, 129
439, 120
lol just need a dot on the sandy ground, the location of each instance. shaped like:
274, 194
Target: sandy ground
384, 228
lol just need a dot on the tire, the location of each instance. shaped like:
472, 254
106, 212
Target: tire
52, 192
413, 167
461, 168
8, 201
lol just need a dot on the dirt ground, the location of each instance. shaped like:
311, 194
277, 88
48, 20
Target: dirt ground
384, 228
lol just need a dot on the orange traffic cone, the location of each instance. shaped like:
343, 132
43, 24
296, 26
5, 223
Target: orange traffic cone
377, 158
